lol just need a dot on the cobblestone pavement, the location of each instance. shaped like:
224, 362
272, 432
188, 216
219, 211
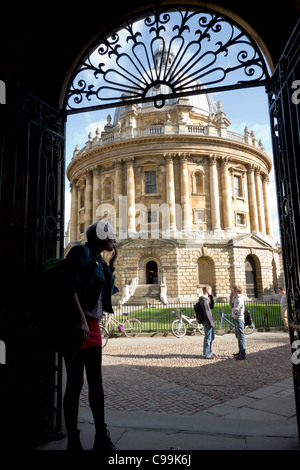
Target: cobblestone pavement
169, 375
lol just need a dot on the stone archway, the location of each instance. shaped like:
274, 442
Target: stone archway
206, 272
279, 105
149, 270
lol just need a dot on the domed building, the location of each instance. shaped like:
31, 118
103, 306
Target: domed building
188, 197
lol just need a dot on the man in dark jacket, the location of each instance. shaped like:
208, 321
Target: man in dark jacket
207, 302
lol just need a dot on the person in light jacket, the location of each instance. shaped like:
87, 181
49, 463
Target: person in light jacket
237, 305
283, 304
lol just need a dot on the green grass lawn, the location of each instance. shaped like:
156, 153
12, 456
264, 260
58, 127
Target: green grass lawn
160, 318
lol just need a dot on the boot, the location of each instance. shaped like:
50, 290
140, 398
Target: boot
74, 444
103, 442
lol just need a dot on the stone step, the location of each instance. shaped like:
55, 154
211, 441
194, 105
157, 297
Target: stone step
145, 293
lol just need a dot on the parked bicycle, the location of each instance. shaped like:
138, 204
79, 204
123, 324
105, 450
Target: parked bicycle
130, 327
179, 327
222, 325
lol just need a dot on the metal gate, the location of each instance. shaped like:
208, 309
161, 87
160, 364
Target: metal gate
32, 210
284, 101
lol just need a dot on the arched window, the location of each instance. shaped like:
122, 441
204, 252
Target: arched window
198, 182
108, 189
205, 271
251, 282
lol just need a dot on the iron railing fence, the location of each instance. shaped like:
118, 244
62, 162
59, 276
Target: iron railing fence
156, 317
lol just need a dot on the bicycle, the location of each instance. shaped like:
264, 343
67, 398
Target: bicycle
104, 335
179, 327
131, 327
222, 325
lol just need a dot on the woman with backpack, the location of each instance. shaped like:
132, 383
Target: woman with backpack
92, 283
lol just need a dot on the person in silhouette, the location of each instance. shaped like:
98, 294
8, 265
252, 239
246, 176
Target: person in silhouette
92, 281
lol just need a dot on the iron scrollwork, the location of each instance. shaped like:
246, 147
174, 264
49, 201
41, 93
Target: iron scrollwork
285, 118
199, 50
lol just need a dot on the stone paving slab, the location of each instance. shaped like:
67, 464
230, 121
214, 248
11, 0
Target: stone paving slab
145, 411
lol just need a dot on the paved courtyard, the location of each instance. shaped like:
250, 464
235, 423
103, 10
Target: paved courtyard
169, 375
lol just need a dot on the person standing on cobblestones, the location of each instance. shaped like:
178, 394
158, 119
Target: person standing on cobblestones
282, 296
207, 302
237, 305
92, 281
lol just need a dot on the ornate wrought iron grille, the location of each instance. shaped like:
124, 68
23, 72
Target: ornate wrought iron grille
285, 124
165, 53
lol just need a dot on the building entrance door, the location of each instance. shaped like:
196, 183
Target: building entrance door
151, 273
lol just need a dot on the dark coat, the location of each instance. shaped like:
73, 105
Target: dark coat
90, 275
206, 303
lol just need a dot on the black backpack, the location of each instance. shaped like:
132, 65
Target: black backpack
248, 319
59, 329
199, 312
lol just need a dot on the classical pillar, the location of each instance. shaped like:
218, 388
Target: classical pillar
118, 191
252, 199
96, 191
89, 197
214, 193
170, 189
226, 201
185, 196
265, 186
259, 202
131, 195
74, 211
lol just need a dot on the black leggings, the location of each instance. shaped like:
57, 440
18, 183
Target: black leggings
90, 359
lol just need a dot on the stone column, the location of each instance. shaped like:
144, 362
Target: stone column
252, 199
214, 193
131, 195
259, 201
185, 197
170, 189
118, 191
74, 211
96, 191
265, 186
226, 202
89, 198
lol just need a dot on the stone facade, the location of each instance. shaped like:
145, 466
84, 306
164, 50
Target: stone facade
188, 197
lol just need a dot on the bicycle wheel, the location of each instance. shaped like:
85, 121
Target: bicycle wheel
104, 335
178, 328
249, 329
132, 327
201, 328
221, 326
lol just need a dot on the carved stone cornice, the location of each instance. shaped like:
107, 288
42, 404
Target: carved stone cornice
212, 159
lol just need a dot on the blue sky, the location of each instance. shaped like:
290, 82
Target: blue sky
248, 107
